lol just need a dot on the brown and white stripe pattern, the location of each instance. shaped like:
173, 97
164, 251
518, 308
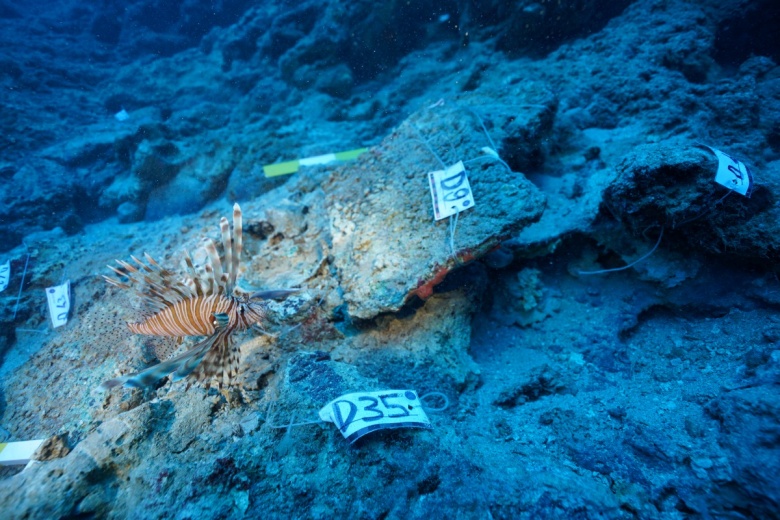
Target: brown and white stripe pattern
192, 316
199, 305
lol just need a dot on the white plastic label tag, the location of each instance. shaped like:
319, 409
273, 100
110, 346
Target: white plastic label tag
5, 275
364, 412
59, 303
320, 159
450, 191
732, 173
16, 453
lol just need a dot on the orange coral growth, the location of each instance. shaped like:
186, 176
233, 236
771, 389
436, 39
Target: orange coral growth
424, 288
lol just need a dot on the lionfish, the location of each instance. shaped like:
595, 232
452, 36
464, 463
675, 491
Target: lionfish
202, 304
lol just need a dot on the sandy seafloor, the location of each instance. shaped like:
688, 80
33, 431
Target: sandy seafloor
602, 324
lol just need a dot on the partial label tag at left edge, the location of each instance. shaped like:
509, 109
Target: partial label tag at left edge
5, 275
17, 453
360, 413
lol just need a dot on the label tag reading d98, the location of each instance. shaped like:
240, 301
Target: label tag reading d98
450, 191
364, 412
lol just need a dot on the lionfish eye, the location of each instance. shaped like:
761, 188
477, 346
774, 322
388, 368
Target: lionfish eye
221, 320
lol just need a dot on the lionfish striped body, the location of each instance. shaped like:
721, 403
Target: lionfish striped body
194, 317
200, 305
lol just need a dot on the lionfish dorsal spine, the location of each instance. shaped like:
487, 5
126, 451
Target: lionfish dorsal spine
193, 274
216, 265
142, 267
135, 277
162, 277
227, 247
209, 280
238, 245
155, 282
152, 261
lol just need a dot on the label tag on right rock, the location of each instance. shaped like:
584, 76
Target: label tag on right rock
360, 413
450, 191
732, 174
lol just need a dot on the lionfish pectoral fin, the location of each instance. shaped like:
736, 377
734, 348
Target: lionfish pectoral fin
182, 365
273, 294
191, 363
111, 383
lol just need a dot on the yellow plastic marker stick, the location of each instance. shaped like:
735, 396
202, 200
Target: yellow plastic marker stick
282, 168
288, 167
350, 154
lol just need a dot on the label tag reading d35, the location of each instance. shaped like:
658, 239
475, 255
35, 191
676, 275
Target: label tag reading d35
732, 173
450, 191
364, 412
59, 303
